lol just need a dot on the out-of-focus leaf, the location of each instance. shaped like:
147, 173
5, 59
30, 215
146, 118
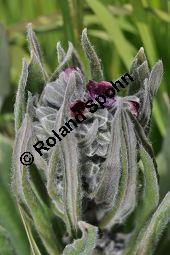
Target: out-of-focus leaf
8, 214
10, 221
5, 163
125, 9
163, 161
4, 65
160, 14
86, 244
6, 247
122, 45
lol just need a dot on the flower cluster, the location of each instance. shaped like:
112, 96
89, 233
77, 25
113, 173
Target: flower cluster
91, 178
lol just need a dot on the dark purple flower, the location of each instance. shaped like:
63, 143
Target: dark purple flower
101, 88
77, 106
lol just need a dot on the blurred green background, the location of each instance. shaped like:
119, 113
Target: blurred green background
117, 29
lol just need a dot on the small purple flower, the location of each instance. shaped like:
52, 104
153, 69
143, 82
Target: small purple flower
100, 88
77, 106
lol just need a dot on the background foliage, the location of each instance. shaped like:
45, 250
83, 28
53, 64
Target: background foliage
118, 29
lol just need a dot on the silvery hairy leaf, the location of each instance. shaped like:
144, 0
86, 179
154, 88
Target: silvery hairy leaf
150, 190
125, 199
40, 216
70, 165
20, 103
95, 65
139, 70
151, 233
64, 63
22, 139
145, 85
86, 244
60, 53
36, 58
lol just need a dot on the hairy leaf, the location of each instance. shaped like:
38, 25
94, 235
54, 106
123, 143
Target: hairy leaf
95, 65
85, 245
152, 233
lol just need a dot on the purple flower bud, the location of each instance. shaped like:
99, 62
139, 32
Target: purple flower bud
101, 88
70, 70
77, 106
134, 107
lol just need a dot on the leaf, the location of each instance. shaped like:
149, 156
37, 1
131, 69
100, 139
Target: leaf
64, 62
37, 76
4, 65
5, 163
95, 65
70, 165
40, 216
9, 218
155, 77
51, 182
160, 14
68, 26
150, 196
34, 247
35, 49
110, 24
126, 199
19, 108
6, 247
20, 146
86, 244
60, 53
10, 221
150, 237
109, 184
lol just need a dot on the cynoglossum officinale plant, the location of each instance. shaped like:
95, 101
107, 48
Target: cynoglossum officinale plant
80, 195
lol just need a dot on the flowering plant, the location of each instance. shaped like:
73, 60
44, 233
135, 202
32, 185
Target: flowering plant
96, 190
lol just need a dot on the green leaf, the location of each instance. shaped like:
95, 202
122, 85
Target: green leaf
27, 225
10, 221
110, 24
5, 163
150, 197
4, 65
150, 236
20, 102
35, 49
64, 62
95, 65
85, 245
37, 76
9, 218
40, 216
6, 247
